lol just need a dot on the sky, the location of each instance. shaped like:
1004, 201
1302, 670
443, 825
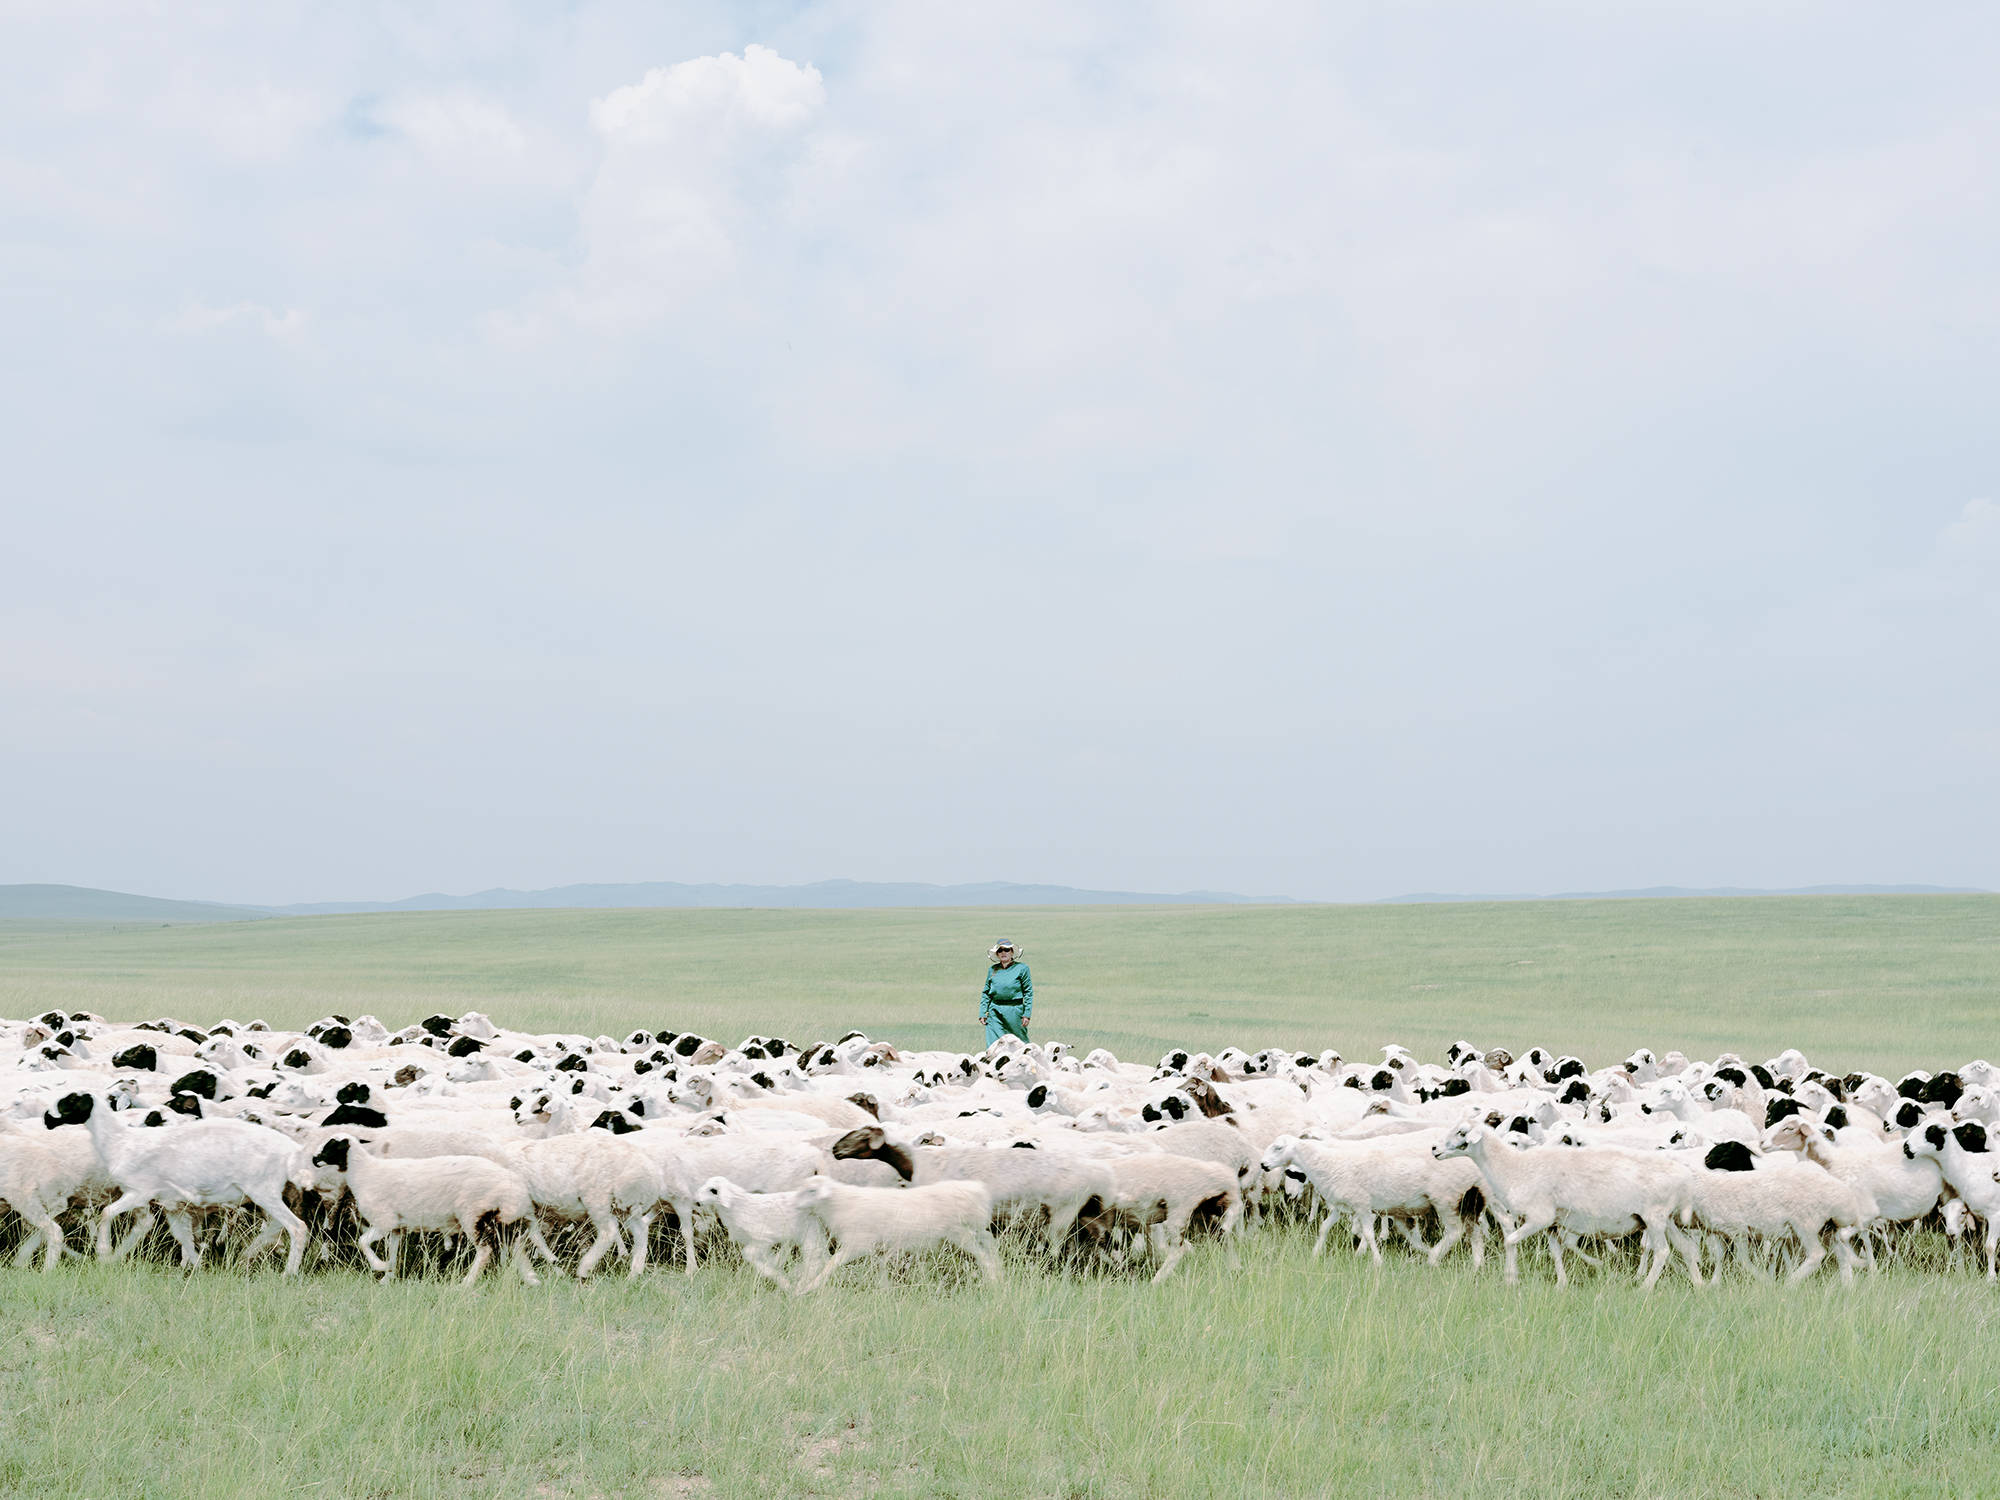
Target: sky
1322, 450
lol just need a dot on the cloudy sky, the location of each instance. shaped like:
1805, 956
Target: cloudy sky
1329, 450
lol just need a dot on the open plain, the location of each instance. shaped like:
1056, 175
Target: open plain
1292, 1377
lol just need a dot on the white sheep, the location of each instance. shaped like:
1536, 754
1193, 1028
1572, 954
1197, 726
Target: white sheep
1158, 1195
592, 1175
1055, 1186
1397, 1176
1590, 1191
765, 1228
34, 1182
202, 1164
1780, 1198
864, 1221
1903, 1189
1972, 1169
467, 1195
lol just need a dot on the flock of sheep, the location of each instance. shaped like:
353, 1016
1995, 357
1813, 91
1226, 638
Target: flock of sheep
343, 1138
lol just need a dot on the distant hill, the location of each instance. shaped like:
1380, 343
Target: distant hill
76, 903
1670, 892
821, 894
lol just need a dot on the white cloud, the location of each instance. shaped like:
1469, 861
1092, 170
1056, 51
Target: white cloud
676, 105
201, 317
473, 139
694, 156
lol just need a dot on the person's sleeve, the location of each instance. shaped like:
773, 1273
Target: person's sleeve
986, 997
1027, 994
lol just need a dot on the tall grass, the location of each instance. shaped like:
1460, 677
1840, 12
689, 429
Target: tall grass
1291, 1377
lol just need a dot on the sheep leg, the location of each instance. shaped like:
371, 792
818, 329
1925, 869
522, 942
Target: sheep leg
121, 1205
276, 1213
1655, 1245
1690, 1252
763, 1259
1992, 1243
684, 1212
1171, 1248
1368, 1239
366, 1245
181, 1222
1232, 1217
1325, 1226
811, 1247
482, 1246
640, 1227
1060, 1220
541, 1244
1748, 1256
1408, 1229
1554, 1240
1815, 1253
1575, 1247
24, 1253
834, 1262
32, 1209
1454, 1231
1511, 1242
264, 1239
481, 1254
517, 1255
977, 1242
607, 1240
1844, 1256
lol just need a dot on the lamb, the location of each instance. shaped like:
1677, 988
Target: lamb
464, 1194
1060, 1186
1972, 1169
765, 1227
1587, 1190
1396, 1175
863, 1220
203, 1164
761, 1162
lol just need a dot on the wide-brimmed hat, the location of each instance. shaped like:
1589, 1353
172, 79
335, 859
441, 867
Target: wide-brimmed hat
1003, 946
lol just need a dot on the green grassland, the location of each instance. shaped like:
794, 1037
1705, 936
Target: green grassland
1290, 1377
1883, 981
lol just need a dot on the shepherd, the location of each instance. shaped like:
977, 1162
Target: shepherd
1009, 998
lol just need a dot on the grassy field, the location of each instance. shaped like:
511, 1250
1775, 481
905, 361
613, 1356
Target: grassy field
1885, 982
1292, 1377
